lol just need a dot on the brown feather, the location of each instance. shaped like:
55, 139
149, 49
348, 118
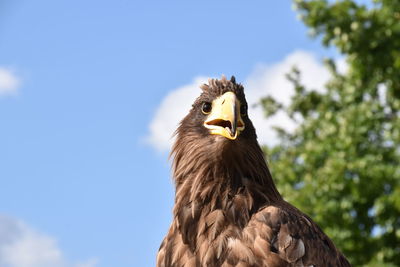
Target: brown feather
227, 210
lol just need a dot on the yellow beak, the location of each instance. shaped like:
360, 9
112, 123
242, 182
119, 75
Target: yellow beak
225, 118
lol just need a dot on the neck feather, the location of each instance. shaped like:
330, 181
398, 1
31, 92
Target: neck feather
216, 178
209, 171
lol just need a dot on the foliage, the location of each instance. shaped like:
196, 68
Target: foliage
342, 163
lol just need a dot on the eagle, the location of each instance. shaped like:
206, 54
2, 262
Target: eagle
228, 211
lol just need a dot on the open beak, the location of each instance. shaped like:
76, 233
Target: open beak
225, 118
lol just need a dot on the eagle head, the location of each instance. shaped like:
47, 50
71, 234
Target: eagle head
218, 121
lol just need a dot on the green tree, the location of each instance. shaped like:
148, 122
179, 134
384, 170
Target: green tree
342, 163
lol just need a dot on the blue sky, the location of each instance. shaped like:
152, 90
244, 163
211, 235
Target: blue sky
82, 83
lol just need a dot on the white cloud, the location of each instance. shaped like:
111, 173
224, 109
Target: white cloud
9, 82
89, 263
271, 80
265, 80
341, 65
21, 246
171, 111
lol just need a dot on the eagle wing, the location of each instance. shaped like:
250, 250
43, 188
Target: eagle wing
291, 235
275, 236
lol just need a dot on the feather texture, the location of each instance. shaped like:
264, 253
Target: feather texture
227, 210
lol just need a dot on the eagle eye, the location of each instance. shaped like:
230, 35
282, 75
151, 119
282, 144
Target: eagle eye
206, 108
243, 110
